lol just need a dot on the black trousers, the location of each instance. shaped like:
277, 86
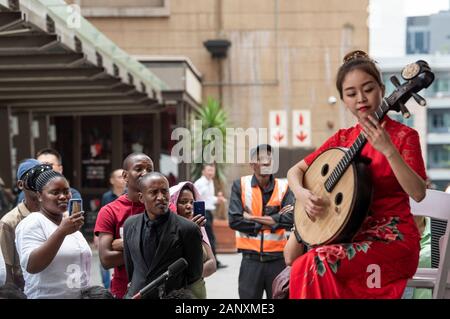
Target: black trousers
210, 231
255, 277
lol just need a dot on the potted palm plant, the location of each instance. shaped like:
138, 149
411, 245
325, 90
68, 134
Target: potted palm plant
212, 115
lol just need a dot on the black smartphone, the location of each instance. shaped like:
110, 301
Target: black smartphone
199, 208
75, 205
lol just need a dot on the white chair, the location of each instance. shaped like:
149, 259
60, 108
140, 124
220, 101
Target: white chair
436, 204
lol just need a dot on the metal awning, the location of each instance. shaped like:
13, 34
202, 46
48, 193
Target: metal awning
54, 61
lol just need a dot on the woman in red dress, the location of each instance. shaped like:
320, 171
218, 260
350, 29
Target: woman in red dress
385, 252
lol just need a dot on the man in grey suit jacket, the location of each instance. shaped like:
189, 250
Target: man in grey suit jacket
157, 238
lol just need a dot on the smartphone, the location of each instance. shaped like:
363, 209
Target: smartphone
199, 208
75, 205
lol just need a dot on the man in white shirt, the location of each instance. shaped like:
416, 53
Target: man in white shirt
205, 187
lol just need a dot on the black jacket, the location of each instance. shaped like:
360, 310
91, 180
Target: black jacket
180, 238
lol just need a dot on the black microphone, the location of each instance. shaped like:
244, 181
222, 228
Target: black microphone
174, 269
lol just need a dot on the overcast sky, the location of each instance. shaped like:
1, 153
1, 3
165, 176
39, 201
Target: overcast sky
387, 23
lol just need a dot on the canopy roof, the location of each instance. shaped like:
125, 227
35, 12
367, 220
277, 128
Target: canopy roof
53, 60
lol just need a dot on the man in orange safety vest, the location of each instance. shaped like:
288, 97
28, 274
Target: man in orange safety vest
260, 210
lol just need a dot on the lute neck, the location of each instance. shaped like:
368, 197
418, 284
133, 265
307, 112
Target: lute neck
354, 150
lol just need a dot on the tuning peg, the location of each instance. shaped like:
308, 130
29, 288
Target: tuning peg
404, 110
420, 100
395, 81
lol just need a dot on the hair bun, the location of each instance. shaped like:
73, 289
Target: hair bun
357, 54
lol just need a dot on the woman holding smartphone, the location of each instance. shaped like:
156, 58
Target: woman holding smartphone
182, 198
54, 256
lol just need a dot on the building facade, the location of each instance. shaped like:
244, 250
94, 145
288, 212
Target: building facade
428, 34
278, 72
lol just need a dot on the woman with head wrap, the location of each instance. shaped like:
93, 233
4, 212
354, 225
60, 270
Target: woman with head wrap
182, 197
54, 256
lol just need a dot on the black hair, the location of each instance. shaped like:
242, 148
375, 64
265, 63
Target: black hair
357, 60
32, 174
96, 292
51, 151
127, 161
150, 175
11, 291
40, 177
204, 165
259, 149
113, 171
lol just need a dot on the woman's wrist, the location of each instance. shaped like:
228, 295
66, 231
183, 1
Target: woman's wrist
390, 152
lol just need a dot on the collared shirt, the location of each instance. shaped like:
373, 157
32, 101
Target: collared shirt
151, 232
205, 188
8, 226
110, 219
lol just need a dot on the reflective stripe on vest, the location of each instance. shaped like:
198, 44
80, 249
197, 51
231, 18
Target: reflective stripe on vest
252, 198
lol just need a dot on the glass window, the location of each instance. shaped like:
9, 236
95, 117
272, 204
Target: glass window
439, 156
96, 151
137, 134
399, 118
439, 121
417, 42
168, 165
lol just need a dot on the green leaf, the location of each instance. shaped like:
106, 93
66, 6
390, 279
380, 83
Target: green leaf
351, 252
365, 247
212, 115
334, 267
320, 266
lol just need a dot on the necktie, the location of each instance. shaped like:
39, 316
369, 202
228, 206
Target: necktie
150, 244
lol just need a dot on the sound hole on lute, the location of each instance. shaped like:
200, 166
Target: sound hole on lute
325, 169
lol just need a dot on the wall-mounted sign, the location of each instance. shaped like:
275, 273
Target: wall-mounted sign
301, 128
278, 128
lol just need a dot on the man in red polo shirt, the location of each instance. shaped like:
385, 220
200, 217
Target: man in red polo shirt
110, 220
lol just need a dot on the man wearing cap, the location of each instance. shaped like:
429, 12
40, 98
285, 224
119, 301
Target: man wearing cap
260, 210
11, 219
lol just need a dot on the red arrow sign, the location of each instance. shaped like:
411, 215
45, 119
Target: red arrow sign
278, 136
300, 119
302, 136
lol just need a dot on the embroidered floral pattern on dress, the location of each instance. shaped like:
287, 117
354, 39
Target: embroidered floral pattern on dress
333, 254
384, 229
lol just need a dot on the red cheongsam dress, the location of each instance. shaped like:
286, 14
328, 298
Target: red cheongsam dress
385, 252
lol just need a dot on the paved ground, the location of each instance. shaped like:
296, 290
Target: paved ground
221, 285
